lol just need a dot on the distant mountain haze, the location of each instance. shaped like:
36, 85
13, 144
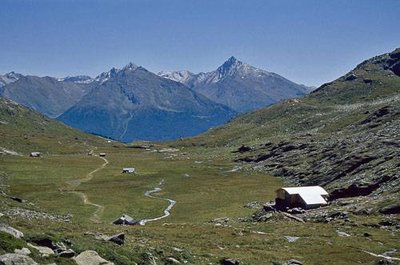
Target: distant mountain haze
44, 94
240, 86
133, 103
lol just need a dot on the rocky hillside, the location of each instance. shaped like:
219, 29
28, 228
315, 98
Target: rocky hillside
23, 130
344, 136
239, 86
44, 94
133, 103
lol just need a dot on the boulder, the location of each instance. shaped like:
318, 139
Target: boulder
16, 259
10, 230
342, 234
22, 251
90, 257
172, 260
44, 251
291, 239
118, 239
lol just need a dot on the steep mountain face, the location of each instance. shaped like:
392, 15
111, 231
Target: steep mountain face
344, 136
22, 130
79, 79
44, 94
184, 77
239, 86
9, 78
133, 103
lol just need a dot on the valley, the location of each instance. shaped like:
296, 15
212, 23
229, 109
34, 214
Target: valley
207, 199
205, 224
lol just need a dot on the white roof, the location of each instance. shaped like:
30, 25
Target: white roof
310, 194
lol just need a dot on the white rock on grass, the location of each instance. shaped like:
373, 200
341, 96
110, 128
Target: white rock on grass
22, 251
291, 239
342, 234
90, 257
44, 251
10, 230
16, 259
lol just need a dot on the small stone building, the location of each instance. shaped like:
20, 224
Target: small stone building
125, 220
128, 170
304, 197
35, 154
102, 154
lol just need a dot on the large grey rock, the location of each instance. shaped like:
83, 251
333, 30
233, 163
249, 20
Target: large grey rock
10, 230
173, 260
22, 251
16, 259
44, 251
118, 239
91, 257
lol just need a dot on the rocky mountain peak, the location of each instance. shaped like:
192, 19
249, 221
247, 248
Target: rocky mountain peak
229, 67
107, 75
130, 66
8, 78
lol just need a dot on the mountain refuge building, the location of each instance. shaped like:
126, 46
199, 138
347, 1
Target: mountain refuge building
35, 154
305, 197
102, 154
125, 220
128, 170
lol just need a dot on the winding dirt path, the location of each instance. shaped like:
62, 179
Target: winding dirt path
167, 211
73, 184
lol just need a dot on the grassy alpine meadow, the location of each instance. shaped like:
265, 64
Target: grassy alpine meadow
205, 186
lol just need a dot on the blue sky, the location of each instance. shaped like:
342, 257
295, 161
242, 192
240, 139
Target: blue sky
308, 41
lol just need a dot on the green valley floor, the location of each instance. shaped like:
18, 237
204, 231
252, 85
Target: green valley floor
74, 197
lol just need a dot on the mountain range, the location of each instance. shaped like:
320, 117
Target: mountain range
133, 103
240, 86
